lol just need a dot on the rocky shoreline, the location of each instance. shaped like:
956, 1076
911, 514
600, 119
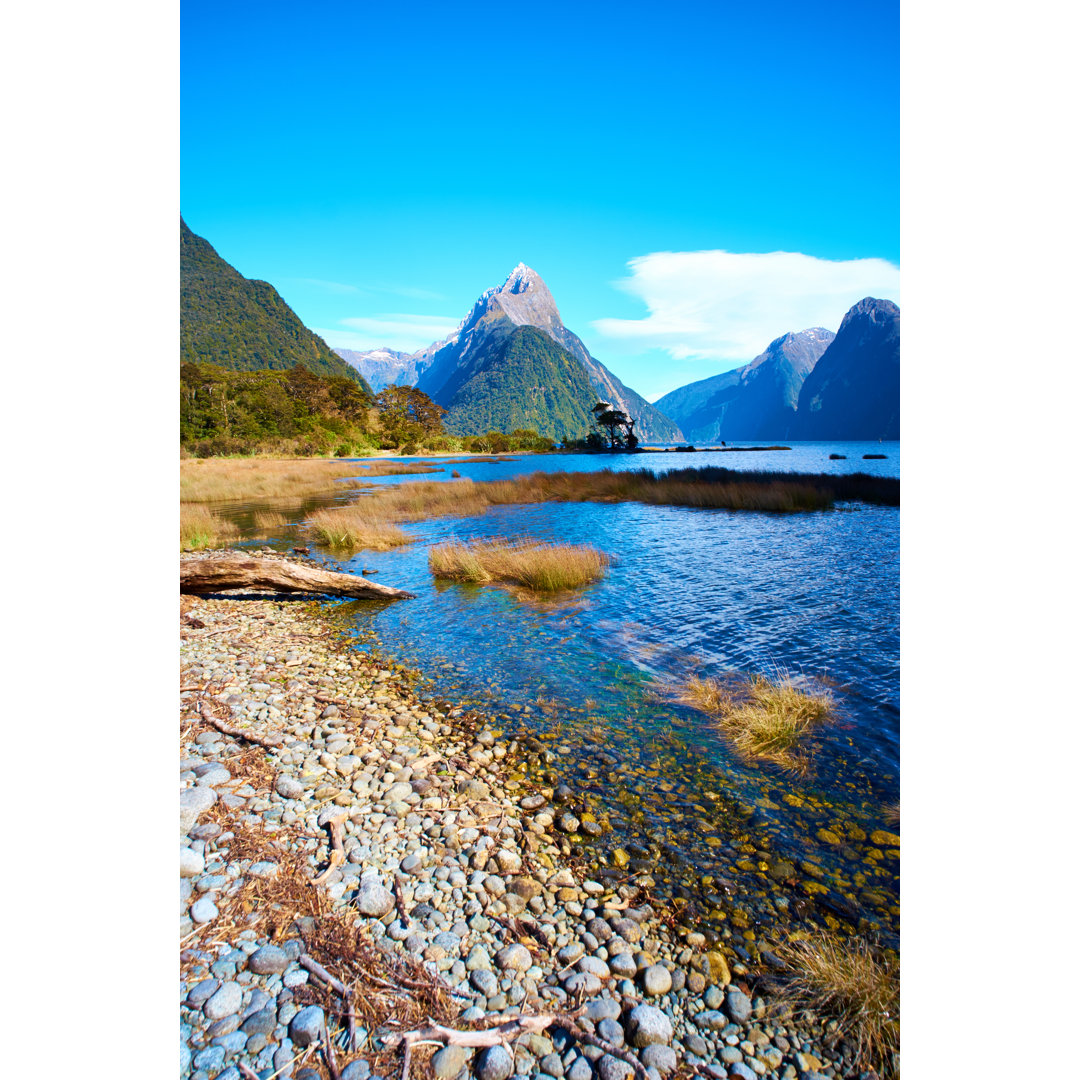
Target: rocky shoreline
454, 880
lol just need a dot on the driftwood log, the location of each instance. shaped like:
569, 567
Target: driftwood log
202, 576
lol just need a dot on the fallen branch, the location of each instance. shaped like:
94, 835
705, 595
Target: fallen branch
328, 1054
320, 972
203, 576
495, 1036
239, 733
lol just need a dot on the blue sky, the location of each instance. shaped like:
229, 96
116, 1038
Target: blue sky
382, 168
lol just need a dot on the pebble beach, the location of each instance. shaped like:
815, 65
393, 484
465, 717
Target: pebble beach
449, 879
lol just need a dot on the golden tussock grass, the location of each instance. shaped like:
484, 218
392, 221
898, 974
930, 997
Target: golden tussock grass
351, 528
268, 521
217, 479
533, 564
199, 528
706, 488
763, 719
239, 479
845, 979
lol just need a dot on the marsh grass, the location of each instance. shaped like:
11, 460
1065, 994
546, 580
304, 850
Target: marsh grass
270, 521
764, 719
707, 488
240, 479
532, 564
859, 987
200, 528
350, 528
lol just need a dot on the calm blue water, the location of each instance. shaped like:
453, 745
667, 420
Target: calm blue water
802, 457
815, 596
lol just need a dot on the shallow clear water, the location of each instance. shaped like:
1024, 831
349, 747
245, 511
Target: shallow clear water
815, 595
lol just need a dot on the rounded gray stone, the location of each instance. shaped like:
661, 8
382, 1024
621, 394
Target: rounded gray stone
307, 1026
659, 1057
449, 1061
192, 864
737, 1006
224, 1002
269, 960
484, 981
288, 788
514, 958
613, 1068
611, 1032
194, 802
373, 900
647, 1025
495, 1063
204, 910
656, 980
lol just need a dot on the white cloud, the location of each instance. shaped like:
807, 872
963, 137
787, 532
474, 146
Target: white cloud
402, 332
718, 305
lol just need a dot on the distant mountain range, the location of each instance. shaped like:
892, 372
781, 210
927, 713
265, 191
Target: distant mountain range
385, 367
756, 401
471, 364
853, 391
240, 324
812, 385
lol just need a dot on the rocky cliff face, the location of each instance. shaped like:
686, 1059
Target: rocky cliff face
853, 391
753, 402
524, 300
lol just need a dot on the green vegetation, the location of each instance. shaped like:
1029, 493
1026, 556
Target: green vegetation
528, 382
531, 563
293, 411
296, 412
243, 325
856, 985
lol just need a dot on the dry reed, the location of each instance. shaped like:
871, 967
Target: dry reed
217, 479
533, 564
199, 528
269, 521
351, 528
707, 488
763, 719
856, 985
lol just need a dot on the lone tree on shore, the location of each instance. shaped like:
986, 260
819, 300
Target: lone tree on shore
619, 425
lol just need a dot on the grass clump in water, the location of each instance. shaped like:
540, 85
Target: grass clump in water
763, 719
199, 529
533, 564
351, 529
845, 979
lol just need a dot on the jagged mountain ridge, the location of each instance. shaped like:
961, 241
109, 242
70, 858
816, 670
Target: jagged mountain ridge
752, 402
854, 390
385, 367
242, 324
444, 367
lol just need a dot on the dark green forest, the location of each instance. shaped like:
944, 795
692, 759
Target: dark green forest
531, 382
296, 412
243, 325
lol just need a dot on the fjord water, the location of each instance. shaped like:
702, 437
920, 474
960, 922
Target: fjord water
813, 595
